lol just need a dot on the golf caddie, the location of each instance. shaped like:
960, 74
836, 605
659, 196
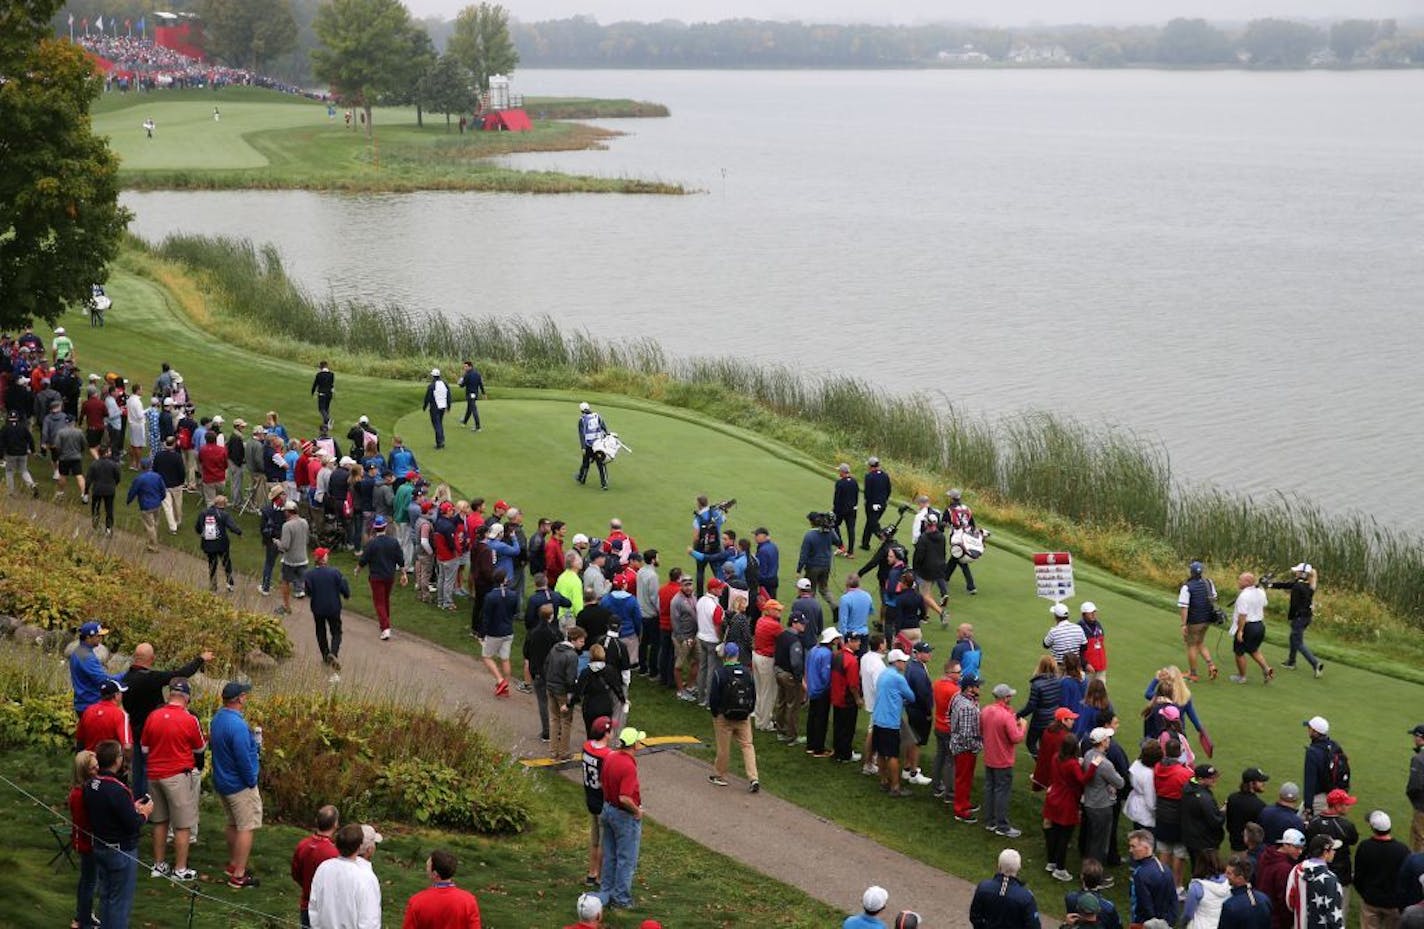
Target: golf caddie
591, 429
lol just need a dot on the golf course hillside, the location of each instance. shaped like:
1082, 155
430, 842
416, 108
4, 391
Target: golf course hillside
266, 139
527, 454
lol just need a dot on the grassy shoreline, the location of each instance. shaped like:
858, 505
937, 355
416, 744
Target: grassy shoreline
592, 108
1107, 496
270, 141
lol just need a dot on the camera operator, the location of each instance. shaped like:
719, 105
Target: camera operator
843, 506
1301, 612
1197, 601
818, 547
707, 520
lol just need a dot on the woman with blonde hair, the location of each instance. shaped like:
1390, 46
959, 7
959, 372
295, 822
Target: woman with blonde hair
86, 768
1043, 694
1169, 686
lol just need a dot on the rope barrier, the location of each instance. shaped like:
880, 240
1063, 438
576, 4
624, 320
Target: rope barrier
193, 892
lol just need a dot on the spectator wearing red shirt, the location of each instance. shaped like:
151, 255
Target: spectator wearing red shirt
212, 461
944, 689
86, 768
1061, 804
665, 648
622, 827
172, 740
1002, 732
442, 905
764, 635
311, 852
845, 698
106, 720
92, 412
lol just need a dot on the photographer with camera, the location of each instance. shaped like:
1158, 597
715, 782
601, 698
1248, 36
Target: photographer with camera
1300, 613
707, 520
1197, 602
818, 547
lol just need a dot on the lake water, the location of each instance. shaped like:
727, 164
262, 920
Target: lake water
1230, 263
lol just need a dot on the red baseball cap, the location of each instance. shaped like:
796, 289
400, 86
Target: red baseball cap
1338, 797
1064, 715
501, 505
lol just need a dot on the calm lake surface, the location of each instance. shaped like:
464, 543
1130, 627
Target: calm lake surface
1231, 264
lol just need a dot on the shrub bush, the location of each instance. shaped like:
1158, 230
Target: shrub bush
59, 583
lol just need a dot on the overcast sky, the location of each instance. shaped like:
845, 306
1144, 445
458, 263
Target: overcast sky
994, 12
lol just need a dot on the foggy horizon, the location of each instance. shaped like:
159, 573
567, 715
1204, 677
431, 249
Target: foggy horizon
1003, 13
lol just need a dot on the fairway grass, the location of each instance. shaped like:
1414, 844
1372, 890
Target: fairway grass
266, 139
527, 454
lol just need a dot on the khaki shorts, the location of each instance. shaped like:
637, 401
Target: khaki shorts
497, 646
682, 650
1196, 633
175, 799
244, 809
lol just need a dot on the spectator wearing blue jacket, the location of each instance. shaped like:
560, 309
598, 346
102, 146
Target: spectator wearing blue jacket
401, 460
1153, 892
235, 750
920, 711
818, 547
768, 561
498, 610
1003, 902
325, 588
150, 492
1246, 908
505, 552
817, 682
856, 606
86, 671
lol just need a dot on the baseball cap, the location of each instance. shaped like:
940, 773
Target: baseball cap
580, 539
1292, 837
771, 606
715, 583
830, 634
583, 407
1003, 690
370, 835
1089, 904
731, 649
874, 899
364, 420
411, 475
1379, 821
434, 372
321, 554
180, 685
923, 648
1100, 734
378, 523
1170, 711
91, 628
1318, 724
290, 506
1088, 607
803, 583
600, 726
110, 687
1338, 797
1203, 771
970, 680
1064, 715
1060, 610
234, 689
1255, 774
1289, 791
1303, 568
1418, 730
589, 907
218, 420
631, 735
1196, 567
896, 655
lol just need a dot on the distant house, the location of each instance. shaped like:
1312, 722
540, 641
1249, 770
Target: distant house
965, 55
1324, 58
1040, 55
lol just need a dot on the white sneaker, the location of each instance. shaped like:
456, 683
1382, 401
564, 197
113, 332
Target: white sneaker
1062, 875
855, 756
920, 780
185, 875
160, 869
385, 634
870, 769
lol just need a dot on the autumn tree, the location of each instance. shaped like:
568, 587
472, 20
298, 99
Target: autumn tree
366, 51
248, 33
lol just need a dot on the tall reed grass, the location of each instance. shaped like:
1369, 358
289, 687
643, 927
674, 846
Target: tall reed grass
1089, 474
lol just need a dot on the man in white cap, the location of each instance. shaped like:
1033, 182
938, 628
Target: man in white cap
1376, 874
1326, 766
892, 692
589, 910
872, 904
63, 346
437, 403
591, 428
1065, 636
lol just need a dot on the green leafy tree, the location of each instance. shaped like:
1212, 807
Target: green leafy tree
482, 44
60, 219
1192, 42
1349, 37
365, 51
248, 33
1280, 43
448, 87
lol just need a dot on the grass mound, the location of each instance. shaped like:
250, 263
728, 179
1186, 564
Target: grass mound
59, 583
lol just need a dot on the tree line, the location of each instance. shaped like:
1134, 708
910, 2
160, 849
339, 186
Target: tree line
582, 42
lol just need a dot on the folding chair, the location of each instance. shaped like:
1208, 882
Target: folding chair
65, 842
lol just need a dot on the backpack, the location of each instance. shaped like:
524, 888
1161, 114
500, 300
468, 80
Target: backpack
708, 539
185, 439
738, 694
1338, 766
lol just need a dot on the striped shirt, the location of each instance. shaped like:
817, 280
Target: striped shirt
1065, 637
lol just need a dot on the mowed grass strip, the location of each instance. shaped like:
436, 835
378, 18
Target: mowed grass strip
527, 454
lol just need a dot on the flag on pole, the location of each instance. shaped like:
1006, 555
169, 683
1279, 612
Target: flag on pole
71, 19
99, 23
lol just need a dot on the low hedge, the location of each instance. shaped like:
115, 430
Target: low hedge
59, 583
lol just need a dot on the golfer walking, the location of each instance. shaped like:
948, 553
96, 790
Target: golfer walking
437, 403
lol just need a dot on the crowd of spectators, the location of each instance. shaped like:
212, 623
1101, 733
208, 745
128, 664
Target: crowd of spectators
142, 64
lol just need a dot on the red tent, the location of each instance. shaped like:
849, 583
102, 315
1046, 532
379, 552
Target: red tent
508, 121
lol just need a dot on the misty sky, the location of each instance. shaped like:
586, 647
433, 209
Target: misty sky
994, 12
